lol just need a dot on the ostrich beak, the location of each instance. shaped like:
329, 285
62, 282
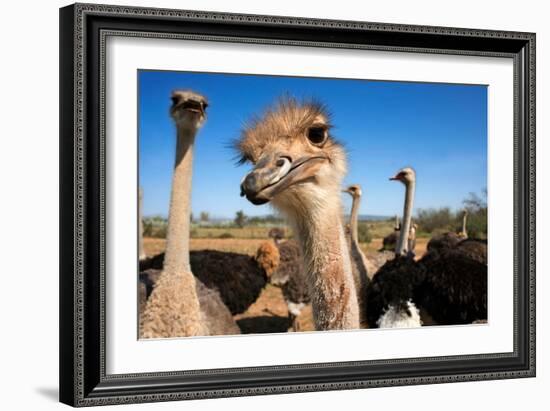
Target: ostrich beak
398, 177
191, 105
273, 174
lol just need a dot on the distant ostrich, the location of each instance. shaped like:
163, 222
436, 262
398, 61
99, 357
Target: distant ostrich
360, 264
412, 239
268, 257
447, 285
449, 239
288, 273
291, 260
389, 242
299, 167
179, 305
389, 295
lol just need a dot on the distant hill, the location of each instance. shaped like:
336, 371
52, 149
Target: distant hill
217, 220
369, 217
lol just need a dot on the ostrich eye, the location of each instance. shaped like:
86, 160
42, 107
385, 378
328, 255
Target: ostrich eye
317, 135
175, 100
204, 105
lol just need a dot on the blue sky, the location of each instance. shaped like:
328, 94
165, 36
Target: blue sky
439, 129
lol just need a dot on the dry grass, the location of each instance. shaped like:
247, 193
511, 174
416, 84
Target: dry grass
248, 232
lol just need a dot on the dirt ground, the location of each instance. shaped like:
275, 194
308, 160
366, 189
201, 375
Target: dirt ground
270, 311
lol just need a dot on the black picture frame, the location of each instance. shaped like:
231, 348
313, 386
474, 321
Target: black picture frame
83, 29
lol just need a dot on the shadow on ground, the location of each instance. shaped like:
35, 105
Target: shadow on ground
51, 393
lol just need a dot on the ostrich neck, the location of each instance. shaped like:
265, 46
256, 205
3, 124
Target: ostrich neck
359, 259
464, 217
328, 266
176, 259
354, 219
403, 248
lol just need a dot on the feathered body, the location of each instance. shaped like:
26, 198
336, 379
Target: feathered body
450, 286
392, 287
237, 278
444, 241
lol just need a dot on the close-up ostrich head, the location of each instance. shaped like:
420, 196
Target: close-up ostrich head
297, 163
188, 108
354, 190
406, 175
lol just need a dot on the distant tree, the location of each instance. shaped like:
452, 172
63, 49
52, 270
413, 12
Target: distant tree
240, 219
204, 216
432, 219
477, 214
265, 220
475, 202
191, 217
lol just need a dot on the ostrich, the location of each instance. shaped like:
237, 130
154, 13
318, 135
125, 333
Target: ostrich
287, 272
179, 304
389, 242
449, 239
449, 286
361, 266
412, 239
299, 167
290, 257
238, 278
388, 295
473, 248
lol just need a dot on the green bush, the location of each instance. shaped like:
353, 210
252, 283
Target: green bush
431, 219
477, 224
477, 214
363, 233
155, 227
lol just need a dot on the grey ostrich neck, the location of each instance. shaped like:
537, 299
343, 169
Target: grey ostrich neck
358, 256
464, 218
327, 264
403, 247
176, 259
354, 219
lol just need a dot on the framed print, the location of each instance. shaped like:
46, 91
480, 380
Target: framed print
262, 204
